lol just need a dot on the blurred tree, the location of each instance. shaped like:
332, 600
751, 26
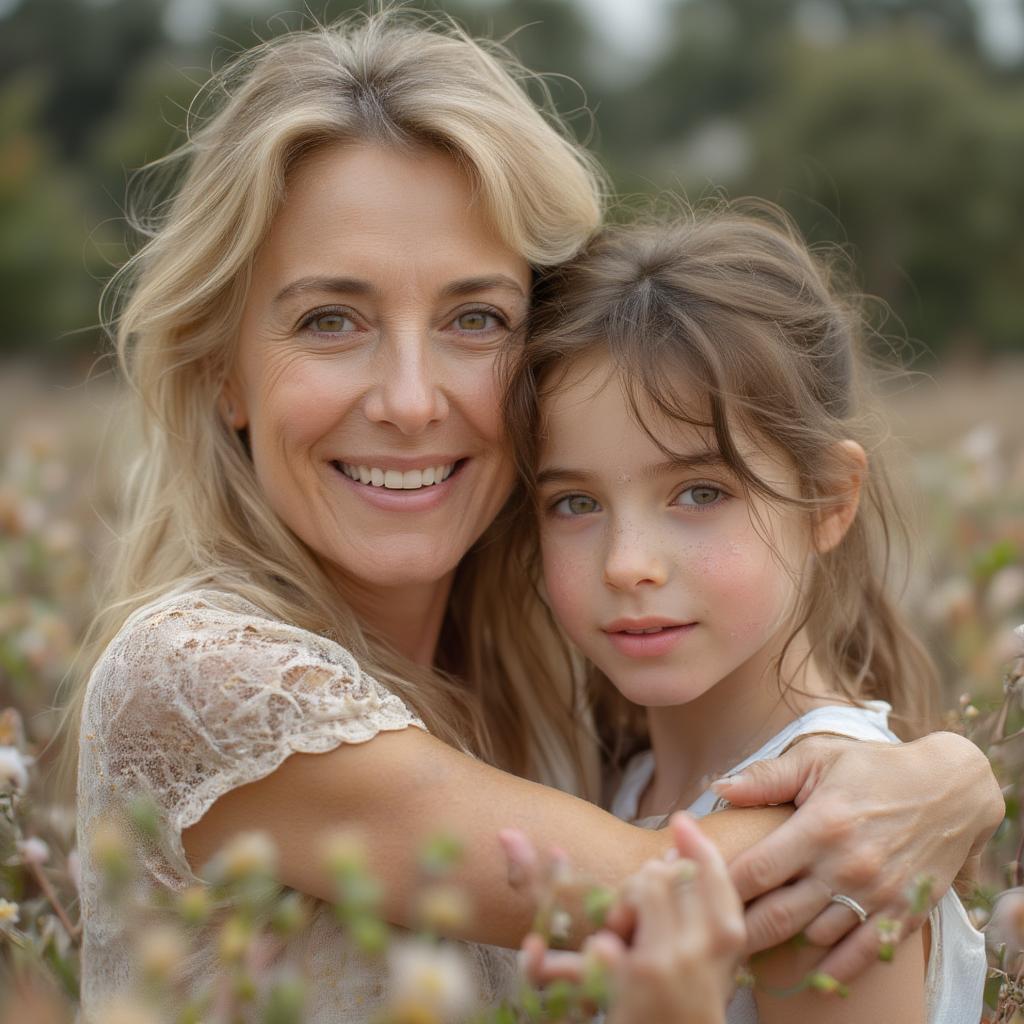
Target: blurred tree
875, 122
891, 143
879, 122
86, 52
45, 283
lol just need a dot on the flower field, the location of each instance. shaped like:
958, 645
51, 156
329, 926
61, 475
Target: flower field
61, 449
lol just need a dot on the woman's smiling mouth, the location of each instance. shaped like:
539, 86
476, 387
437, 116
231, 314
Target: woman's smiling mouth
394, 487
397, 479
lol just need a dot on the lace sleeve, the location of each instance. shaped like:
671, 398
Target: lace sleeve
205, 692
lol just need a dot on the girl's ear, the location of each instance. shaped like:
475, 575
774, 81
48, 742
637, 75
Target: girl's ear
832, 522
231, 408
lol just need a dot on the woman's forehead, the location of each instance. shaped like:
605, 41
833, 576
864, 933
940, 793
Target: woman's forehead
364, 210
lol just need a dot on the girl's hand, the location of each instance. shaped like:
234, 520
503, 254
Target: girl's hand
875, 822
686, 926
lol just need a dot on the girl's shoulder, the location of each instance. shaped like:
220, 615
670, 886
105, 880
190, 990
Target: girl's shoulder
867, 721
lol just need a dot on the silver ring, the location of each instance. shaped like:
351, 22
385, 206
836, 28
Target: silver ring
853, 905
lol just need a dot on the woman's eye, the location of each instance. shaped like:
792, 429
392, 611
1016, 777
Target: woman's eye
476, 321
700, 496
329, 322
575, 505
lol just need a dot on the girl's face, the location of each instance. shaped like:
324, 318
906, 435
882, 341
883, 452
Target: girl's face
366, 363
664, 573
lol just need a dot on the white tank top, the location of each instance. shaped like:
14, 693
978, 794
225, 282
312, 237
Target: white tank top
957, 967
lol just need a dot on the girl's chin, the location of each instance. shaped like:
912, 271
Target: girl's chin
655, 693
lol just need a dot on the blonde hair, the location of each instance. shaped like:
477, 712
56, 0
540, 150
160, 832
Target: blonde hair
195, 514
729, 299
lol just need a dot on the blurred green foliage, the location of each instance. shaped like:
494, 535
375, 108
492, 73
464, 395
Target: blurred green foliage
879, 124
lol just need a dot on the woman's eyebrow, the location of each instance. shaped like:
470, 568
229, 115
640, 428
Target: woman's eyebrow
355, 286
480, 284
347, 285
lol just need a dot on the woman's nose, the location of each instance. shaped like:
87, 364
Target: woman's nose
632, 560
407, 392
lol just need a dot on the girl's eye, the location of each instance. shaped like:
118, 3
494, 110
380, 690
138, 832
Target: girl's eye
575, 505
329, 322
700, 496
477, 321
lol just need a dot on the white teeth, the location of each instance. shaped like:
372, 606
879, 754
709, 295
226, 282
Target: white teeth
396, 479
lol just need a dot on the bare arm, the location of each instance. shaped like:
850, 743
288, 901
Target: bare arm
403, 787
884, 992
881, 817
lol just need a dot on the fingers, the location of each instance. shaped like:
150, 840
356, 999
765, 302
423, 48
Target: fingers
831, 925
657, 892
866, 945
776, 781
607, 948
542, 966
621, 919
789, 778
783, 913
522, 860
774, 860
719, 900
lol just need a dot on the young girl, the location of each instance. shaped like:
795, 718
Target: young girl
714, 539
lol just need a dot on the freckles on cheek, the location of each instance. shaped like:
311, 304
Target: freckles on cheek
744, 584
566, 582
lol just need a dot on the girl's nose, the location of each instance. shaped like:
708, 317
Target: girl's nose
632, 561
407, 392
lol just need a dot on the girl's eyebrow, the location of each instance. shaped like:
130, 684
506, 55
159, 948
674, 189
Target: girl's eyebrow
709, 458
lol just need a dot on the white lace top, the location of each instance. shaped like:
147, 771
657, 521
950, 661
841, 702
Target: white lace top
198, 693
957, 966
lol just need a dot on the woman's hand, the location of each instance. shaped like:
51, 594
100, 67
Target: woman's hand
876, 822
684, 921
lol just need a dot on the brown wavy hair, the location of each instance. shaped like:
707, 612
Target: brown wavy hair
730, 298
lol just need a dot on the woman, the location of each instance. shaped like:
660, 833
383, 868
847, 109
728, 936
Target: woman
315, 555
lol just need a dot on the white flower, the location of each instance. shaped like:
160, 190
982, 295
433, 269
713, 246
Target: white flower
33, 851
9, 913
13, 769
249, 854
161, 952
429, 982
952, 601
1006, 590
125, 1010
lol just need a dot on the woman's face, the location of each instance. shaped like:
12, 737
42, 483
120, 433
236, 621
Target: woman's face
365, 371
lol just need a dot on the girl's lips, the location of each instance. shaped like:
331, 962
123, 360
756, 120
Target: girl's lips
649, 645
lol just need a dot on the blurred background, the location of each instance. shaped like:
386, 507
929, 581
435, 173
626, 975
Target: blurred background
892, 127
